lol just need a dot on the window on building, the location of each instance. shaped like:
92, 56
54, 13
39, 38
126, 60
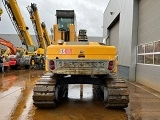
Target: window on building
149, 48
157, 46
157, 59
149, 53
140, 59
140, 49
149, 59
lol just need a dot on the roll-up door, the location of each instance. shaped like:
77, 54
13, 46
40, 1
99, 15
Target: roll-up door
114, 35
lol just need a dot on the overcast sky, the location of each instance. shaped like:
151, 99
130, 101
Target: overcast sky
89, 14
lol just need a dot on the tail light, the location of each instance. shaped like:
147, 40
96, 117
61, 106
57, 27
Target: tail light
51, 65
110, 65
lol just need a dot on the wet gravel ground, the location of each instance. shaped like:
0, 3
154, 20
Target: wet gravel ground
82, 103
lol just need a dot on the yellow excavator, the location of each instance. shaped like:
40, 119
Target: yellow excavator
41, 39
33, 56
69, 61
6, 63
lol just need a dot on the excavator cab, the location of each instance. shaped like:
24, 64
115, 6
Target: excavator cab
65, 28
32, 48
63, 23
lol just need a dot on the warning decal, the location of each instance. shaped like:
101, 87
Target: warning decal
65, 51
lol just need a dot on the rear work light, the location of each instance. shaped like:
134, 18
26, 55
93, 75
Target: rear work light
51, 65
110, 65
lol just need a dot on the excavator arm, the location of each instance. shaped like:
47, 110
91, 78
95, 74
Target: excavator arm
34, 16
9, 45
46, 35
18, 22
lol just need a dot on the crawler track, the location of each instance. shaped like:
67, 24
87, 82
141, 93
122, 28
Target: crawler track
114, 93
46, 92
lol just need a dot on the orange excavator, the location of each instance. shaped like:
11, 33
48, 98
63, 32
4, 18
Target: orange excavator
9, 45
13, 55
10, 50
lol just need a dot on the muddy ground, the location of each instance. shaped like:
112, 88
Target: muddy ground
81, 104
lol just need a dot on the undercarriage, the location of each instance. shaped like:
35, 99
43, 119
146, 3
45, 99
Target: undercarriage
50, 88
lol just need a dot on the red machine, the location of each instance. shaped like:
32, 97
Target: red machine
11, 50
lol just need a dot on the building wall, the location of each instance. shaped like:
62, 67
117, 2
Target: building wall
148, 75
95, 39
148, 64
127, 38
139, 39
14, 39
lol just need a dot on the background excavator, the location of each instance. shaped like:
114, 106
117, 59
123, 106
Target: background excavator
10, 50
13, 55
41, 32
9, 45
69, 61
18, 22
4, 53
41, 39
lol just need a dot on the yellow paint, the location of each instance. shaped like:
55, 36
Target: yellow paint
72, 33
93, 51
1, 11
34, 16
59, 35
20, 21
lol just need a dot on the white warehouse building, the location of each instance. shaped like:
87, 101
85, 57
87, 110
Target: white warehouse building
133, 26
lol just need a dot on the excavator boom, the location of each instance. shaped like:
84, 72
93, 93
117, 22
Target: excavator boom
18, 22
8, 44
46, 35
34, 16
